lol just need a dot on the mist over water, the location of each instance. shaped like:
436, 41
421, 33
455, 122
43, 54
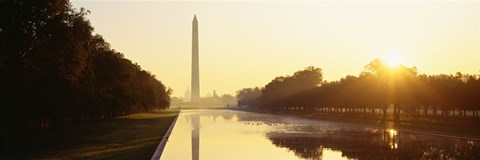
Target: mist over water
228, 134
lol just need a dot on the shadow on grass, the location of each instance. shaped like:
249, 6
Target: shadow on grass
134, 136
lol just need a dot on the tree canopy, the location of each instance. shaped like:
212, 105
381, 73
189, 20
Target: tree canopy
376, 88
55, 70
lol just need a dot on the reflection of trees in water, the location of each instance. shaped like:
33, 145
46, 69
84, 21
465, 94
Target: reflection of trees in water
213, 115
459, 150
303, 147
375, 144
308, 138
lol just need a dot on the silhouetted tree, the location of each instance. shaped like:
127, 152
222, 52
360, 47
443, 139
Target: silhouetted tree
249, 96
55, 71
275, 92
376, 88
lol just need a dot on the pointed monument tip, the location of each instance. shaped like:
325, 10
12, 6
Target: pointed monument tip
195, 16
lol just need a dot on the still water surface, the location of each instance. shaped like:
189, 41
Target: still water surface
228, 134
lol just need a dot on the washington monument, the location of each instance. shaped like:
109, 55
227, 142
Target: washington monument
195, 73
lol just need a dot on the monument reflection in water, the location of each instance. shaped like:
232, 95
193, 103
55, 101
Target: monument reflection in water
195, 136
227, 134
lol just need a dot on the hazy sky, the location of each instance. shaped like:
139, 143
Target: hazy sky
248, 43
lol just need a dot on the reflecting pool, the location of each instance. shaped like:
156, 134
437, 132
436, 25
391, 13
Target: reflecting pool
228, 134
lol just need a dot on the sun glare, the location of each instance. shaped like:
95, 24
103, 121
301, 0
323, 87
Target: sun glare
393, 60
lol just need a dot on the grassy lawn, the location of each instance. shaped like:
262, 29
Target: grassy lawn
134, 136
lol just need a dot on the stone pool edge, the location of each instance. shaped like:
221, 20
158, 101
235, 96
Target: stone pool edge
161, 146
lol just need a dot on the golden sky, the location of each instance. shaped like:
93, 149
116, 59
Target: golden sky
248, 43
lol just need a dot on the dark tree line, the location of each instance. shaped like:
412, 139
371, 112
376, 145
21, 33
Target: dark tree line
55, 70
371, 93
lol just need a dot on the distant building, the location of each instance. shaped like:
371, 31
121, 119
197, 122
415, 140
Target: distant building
187, 96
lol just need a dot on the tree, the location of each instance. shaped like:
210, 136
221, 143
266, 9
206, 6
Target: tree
377, 87
55, 71
248, 96
282, 87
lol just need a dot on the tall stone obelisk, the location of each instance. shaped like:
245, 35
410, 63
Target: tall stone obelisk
195, 73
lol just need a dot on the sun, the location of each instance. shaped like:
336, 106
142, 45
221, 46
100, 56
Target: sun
393, 60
